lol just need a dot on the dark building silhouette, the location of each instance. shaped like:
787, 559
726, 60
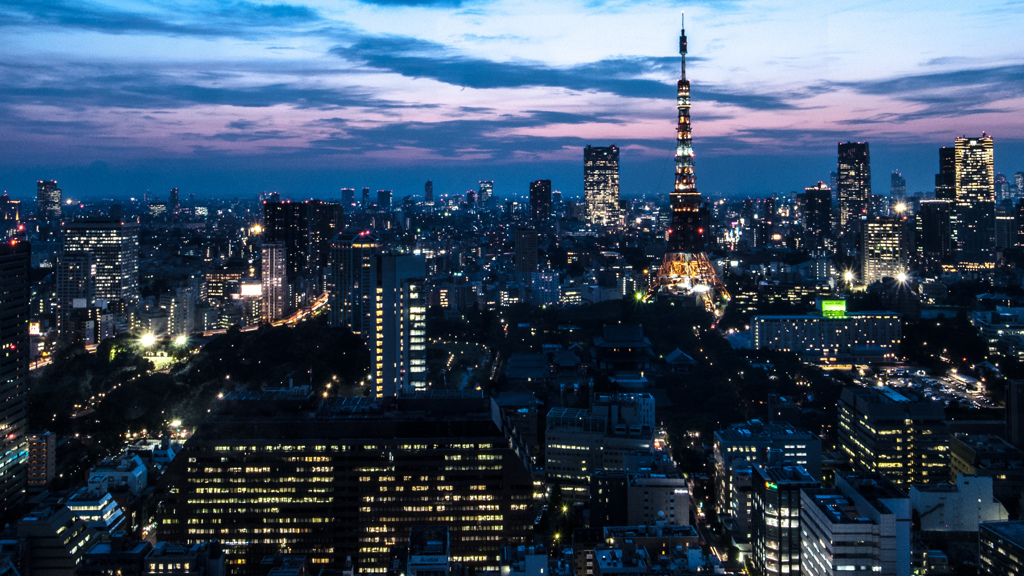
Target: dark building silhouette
816, 214
287, 223
945, 180
15, 259
933, 233
366, 198
348, 199
898, 187
854, 186
540, 202
428, 192
526, 254
384, 200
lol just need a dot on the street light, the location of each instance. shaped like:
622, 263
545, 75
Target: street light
181, 340
147, 340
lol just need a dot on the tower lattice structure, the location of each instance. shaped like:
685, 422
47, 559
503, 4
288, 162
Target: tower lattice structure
686, 270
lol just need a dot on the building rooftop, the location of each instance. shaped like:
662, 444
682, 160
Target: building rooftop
1012, 531
755, 430
786, 475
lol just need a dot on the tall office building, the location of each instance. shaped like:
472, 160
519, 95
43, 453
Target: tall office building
854, 184
384, 200
776, 518
48, 201
885, 248
341, 478
601, 184
975, 226
485, 191
399, 343
287, 223
348, 199
352, 288
540, 202
15, 289
945, 180
526, 254
898, 188
172, 199
428, 193
686, 271
274, 256
114, 248
816, 214
897, 434
366, 198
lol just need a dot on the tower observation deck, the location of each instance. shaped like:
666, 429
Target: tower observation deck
686, 271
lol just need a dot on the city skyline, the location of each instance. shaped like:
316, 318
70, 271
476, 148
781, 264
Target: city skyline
220, 99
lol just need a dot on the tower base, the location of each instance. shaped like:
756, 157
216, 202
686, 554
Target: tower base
687, 276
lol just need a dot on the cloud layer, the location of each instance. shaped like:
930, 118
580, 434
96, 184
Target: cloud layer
420, 84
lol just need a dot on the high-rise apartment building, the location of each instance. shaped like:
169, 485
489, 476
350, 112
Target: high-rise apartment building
975, 227
897, 434
862, 526
352, 288
775, 521
898, 188
885, 248
381, 298
540, 202
74, 287
399, 343
816, 214
42, 460
341, 478
600, 185
15, 284
854, 182
428, 193
48, 201
113, 246
274, 274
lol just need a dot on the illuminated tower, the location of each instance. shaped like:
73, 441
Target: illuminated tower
686, 270
974, 208
601, 184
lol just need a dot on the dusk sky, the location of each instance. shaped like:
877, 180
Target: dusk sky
231, 98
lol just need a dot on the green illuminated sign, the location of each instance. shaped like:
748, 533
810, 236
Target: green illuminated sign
833, 308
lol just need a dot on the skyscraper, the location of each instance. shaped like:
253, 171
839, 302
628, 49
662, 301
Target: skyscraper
540, 202
274, 257
326, 220
686, 270
485, 191
353, 284
526, 254
366, 198
15, 286
384, 200
428, 192
287, 223
945, 180
854, 182
885, 248
74, 287
348, 199
816, 214
114, 248
975, 227
600, 185
898, 188
399, 344
933, 237
172, 199
48, 201
10, 217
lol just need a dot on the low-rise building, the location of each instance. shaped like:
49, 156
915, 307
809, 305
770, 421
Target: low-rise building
956, 507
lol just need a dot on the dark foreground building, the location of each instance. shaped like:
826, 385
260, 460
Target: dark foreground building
286, 471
